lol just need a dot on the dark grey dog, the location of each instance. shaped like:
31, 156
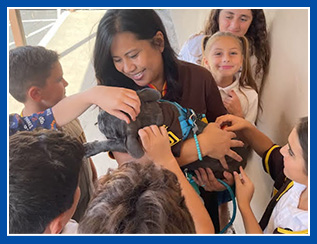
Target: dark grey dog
123, 137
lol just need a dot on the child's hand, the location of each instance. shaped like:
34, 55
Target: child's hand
244, 189
156, 144
117, 101
206, 179
233, 105
236, 123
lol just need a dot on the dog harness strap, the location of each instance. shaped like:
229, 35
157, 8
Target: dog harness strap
187, 119
189, 177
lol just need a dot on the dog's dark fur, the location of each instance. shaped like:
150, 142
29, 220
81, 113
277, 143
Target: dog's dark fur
123, 137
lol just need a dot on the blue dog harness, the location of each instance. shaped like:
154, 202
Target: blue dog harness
187, 119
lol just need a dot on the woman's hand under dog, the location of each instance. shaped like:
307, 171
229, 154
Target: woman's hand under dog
206, 179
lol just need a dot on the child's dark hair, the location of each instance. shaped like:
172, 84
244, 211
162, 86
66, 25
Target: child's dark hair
144, 23
29, 66
43, 176
302, 131
137, 198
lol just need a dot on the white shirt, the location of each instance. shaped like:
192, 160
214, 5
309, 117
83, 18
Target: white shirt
71, 227
286, 213
247, 96
191, 51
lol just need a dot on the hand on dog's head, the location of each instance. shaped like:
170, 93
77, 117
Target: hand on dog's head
124, 137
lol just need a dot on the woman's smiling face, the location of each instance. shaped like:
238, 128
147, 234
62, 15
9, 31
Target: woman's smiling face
140, 60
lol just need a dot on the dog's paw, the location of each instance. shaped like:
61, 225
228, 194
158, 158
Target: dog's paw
90, 149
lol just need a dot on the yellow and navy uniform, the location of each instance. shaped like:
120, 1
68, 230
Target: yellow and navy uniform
273, 165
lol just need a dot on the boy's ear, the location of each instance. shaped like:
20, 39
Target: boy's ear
158, 41
55, 226
35, 93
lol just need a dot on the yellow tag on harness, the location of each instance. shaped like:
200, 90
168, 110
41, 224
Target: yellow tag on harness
204, 119
172, 137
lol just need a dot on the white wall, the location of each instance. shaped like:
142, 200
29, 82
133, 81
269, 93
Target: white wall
285, 97
188, 22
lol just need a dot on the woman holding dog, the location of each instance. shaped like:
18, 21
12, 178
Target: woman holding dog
132, 51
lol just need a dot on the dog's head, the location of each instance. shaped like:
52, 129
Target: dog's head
124, 137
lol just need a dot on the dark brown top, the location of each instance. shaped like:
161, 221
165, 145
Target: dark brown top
200, 91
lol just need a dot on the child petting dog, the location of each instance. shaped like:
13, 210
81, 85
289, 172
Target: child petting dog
140, 197
36, 80
287, 212
156, 197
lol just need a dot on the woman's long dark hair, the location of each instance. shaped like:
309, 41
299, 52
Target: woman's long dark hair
144, 23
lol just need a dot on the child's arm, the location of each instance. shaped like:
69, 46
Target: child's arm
213, 142
244, 193
116, 101
156, 145
249, 133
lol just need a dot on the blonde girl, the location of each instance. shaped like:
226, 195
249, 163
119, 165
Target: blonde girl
225, 55
250, 23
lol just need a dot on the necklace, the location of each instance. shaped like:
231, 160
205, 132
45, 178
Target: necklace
164, 89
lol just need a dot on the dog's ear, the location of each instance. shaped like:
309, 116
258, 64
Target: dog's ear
96, 147
149, 95
134, 147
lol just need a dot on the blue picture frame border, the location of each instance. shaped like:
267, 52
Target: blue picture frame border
145, 239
